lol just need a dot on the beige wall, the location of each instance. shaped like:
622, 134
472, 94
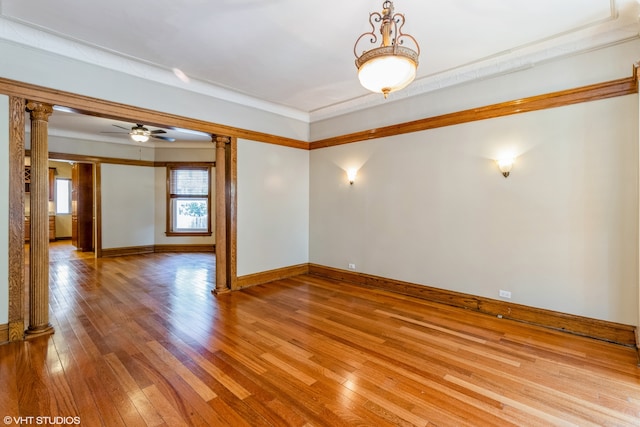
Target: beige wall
432, 208
561, 233
128, 200
273, 207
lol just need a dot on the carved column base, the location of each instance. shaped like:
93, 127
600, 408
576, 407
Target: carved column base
32, 333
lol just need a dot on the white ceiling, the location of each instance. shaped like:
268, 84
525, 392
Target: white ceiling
296, 57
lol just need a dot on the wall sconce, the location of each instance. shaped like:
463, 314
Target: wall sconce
351, 175
505, 165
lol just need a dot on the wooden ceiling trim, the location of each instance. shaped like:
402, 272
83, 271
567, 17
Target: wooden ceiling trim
117, 111
97, 107
610, 89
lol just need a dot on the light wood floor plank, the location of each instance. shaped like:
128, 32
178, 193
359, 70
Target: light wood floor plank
188, 376
141, 341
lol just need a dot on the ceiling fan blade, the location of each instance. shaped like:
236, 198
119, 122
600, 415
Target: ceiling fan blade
158, 131
164, 138
121, 127
119, 133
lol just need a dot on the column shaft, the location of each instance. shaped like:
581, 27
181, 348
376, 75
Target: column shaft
39, 211
221, 221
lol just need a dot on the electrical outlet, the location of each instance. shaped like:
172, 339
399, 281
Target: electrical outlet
352, 266
505, 294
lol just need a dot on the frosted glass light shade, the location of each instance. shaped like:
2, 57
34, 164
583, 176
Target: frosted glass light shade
387, 69
351, 175
505, 165
139, 137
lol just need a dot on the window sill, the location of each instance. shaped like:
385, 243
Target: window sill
188, 233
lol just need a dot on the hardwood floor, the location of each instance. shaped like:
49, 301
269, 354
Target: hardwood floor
140, 340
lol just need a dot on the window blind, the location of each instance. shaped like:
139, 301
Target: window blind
189, 182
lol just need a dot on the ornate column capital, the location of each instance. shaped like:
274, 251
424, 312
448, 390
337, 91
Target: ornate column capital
221, 140
39, 110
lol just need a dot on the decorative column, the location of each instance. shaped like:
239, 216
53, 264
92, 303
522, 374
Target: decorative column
221, 216
39, 239
636, 74
16, 218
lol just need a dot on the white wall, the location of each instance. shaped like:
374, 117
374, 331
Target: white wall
432, 208
128, 204
273, 207
4, 210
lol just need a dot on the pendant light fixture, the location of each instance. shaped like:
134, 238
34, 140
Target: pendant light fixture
390, 66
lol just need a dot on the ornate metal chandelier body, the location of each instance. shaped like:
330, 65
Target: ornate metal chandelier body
390, 66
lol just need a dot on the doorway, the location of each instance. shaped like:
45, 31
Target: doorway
18, 149
72, 210
82, 207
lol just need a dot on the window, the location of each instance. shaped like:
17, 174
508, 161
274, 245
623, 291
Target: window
63, 196
188, 201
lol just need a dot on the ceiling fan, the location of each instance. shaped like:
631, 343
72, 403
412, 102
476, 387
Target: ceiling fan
139, 133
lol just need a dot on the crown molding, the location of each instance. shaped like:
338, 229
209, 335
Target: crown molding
619, 27
40, 39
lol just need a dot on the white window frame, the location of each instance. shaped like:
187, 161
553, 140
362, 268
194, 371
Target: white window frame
57, 202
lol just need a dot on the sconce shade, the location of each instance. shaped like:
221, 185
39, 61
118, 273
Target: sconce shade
351, 175
505, 166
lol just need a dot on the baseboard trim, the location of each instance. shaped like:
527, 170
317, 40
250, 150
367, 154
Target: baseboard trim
129, 250
271, 275
593, 328
184, 248
4, 333
149, 249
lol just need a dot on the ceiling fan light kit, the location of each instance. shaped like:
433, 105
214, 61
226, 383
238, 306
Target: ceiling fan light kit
139, 133
390, 66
